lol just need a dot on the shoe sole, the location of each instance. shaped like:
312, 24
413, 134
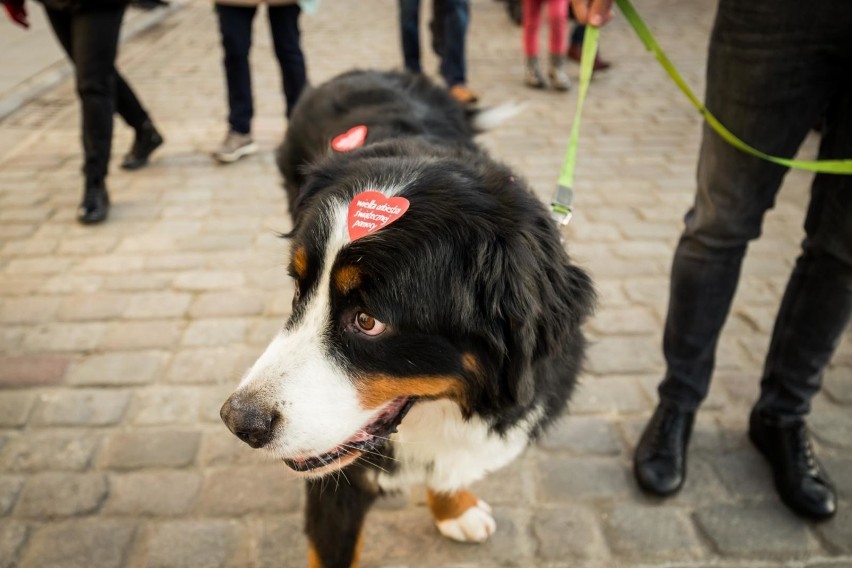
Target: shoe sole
236, 154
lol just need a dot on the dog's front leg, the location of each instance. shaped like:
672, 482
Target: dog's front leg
334, 518
459, 515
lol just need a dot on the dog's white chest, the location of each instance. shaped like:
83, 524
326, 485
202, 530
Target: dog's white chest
436, 446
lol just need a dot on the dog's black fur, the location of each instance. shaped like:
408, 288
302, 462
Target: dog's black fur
476, 266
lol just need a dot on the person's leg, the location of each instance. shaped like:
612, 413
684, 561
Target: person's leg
456, 16
235, 27
409, 31
557, 13
284, 24
530, 23
750, 69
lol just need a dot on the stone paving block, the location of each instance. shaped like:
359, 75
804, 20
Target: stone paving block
236, 491
227, 304
122, 368
838, 384
37, 309
840, 471
10, 488
393, 538
148, 281
215, 332
838, 531
157, 305
263, 330
88, 245
625, 321
278, 541
209, 280
13, 535
571, 535
50, 450
571, 479
155, 334
759, 531
830, 424
64, 337
745, 474
162, 493
207, 365
85, 407
582, 435
607, 394
72, 284
221, 448
92, 307
165, 405
504, 487
193, 544
41, 265
136, 449
15, 408
212, 399
32, 370
629, 529
112, 264
85, 543
52, 495
612, 355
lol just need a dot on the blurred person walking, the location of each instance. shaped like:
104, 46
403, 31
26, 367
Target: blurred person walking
235, 27
88, 32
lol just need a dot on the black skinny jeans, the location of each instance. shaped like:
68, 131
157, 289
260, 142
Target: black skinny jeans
775, 70
90, 38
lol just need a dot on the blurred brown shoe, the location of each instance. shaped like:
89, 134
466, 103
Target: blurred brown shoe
575, 53
463, 94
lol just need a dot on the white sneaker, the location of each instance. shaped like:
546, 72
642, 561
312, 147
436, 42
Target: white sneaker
234, 147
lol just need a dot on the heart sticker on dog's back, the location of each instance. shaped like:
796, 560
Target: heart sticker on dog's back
349, 140
369, 211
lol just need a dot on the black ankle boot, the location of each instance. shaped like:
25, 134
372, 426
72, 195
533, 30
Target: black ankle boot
800, 480
659, 463
147, 140
95, 205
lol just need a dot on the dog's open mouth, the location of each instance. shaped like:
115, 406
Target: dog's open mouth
365, 439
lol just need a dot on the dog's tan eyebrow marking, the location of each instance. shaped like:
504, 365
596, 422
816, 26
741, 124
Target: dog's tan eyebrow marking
471, 364
376, 390
300, 262
446, 506
347, 278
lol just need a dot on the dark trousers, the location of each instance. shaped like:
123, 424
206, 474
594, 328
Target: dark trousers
774, 72
90, 38
235, 27
449, 32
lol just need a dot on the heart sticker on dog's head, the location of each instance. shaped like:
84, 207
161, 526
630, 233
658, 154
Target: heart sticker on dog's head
369, 211
349, 140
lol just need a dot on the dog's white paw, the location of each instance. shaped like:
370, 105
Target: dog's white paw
476, 524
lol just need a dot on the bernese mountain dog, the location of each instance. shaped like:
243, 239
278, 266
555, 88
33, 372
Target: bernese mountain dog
436, 321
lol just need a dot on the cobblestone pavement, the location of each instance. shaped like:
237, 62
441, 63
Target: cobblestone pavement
119, 342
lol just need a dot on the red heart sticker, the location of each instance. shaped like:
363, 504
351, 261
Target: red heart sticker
369, 211
349, 140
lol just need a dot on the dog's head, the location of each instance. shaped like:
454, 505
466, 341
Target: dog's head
460, 298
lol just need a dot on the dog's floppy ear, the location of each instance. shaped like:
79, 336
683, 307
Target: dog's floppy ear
538, 301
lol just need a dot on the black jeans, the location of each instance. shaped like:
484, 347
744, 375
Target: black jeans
775, 71
90, 38
235, 27
449, 25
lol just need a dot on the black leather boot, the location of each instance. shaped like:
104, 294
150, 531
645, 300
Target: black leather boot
95, 205
800, 480
659, 463
147, 140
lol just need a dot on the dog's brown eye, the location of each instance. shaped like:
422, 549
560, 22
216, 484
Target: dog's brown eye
368, 324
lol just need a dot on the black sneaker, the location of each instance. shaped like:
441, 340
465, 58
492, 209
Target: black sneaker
659, 463
800, 480
147, 140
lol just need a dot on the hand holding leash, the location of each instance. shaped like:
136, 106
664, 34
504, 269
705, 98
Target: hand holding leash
592, 12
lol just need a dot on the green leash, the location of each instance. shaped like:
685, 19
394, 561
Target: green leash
560, 206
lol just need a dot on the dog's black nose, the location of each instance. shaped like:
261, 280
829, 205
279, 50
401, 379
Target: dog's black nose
250, 420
